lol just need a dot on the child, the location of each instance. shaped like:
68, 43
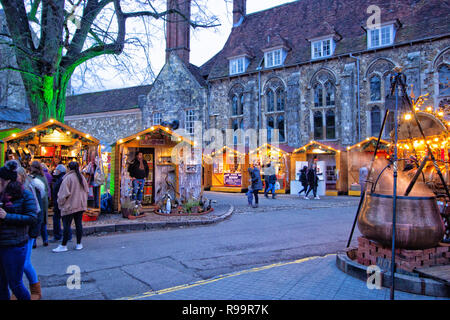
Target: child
250, 193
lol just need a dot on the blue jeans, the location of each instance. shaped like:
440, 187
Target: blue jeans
250, 196
12, 262
28, 267
138, 189
43, 232
271, 188
57, 232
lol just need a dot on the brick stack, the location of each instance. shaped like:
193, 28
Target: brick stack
371, 253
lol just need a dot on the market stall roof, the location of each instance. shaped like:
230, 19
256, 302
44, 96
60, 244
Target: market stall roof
152, 129
283, 148
432, 124
233, 150
51, 123
363, 143
317, 147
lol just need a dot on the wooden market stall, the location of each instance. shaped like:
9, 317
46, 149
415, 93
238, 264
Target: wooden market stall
51, 142
228, 169
174, 168
280, 157
411, 144
4, 134
332, 165
359, 155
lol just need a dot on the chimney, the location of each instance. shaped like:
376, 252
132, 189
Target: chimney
239, 11
178, 29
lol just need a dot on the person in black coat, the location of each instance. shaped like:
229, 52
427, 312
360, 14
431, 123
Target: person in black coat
303, 180
17, 213
139, 171
58, 176
313, 181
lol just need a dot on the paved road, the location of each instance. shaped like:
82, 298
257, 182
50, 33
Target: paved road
124, 265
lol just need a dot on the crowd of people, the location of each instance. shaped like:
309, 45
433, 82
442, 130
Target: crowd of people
25, 196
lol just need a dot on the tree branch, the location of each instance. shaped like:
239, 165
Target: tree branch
21, 71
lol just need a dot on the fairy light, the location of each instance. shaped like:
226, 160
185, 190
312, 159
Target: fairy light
68, 132
440, 114
120, 141
138, 138
51, 120
408, 116
34, 130
429, 109
87, 136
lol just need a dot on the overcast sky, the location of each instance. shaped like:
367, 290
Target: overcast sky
205, 43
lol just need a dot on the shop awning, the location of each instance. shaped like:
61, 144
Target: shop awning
156, 128
53, 130
315, 147
282, 148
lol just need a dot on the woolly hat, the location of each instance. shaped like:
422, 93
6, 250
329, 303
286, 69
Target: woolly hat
8, 171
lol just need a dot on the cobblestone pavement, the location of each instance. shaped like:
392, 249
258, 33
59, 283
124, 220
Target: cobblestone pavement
314, 278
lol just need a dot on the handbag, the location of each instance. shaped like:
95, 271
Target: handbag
277, 186
99, 177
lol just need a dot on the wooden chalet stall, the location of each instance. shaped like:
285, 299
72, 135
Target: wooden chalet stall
332, 165
173, 170
228, 170
4, 134
359, 155
51, 142
280, 157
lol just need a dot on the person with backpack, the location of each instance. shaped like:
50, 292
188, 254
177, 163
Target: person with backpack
72, 201
303, 180
17, 213
37, 172
257, 184
313, 181
271, 180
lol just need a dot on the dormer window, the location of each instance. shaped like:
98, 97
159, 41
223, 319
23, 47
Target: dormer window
274, 58
322, 48
238, 65
380, 37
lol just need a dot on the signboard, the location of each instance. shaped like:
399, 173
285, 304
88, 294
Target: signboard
149, 141
56, 137
232, 179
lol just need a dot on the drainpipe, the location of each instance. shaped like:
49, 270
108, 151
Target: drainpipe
259, 98
357, 95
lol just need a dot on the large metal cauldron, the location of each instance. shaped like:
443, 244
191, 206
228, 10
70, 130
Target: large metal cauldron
418, 224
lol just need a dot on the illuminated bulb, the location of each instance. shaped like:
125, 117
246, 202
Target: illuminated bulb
87, 136
408, 116
440, 114
152, 128
429, 109
167, 129
68, 132
34, 130
14, 135
51, 120
120, 141
348, 148
416, 108
138, 138
436, 139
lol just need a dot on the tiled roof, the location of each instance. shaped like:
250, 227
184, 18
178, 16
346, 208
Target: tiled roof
197, 74
298, 21
104, 101
14, 115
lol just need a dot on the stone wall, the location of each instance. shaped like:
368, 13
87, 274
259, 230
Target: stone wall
174, 91
419, 63
108, 128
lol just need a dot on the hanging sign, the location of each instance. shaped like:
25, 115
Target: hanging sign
56, 137
149, 141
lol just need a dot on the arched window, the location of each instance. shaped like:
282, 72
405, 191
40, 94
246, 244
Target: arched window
280, 127
270, 128
235, 105
329, 94
280, 99
444, 83
387, 85
241, 105
375, 121
318, 95
270, 101
375, 88
318, 125
330, 124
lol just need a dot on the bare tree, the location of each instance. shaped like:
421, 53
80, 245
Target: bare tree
65, 40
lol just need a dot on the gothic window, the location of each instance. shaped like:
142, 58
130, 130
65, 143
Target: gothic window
237, 123
234, 106
375, 88
330, 124
270, 128
280, 127
280, 100
241, 105
318, 125
375, 121
329, 94
157, 119
318, 95
270, 101
444, 83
